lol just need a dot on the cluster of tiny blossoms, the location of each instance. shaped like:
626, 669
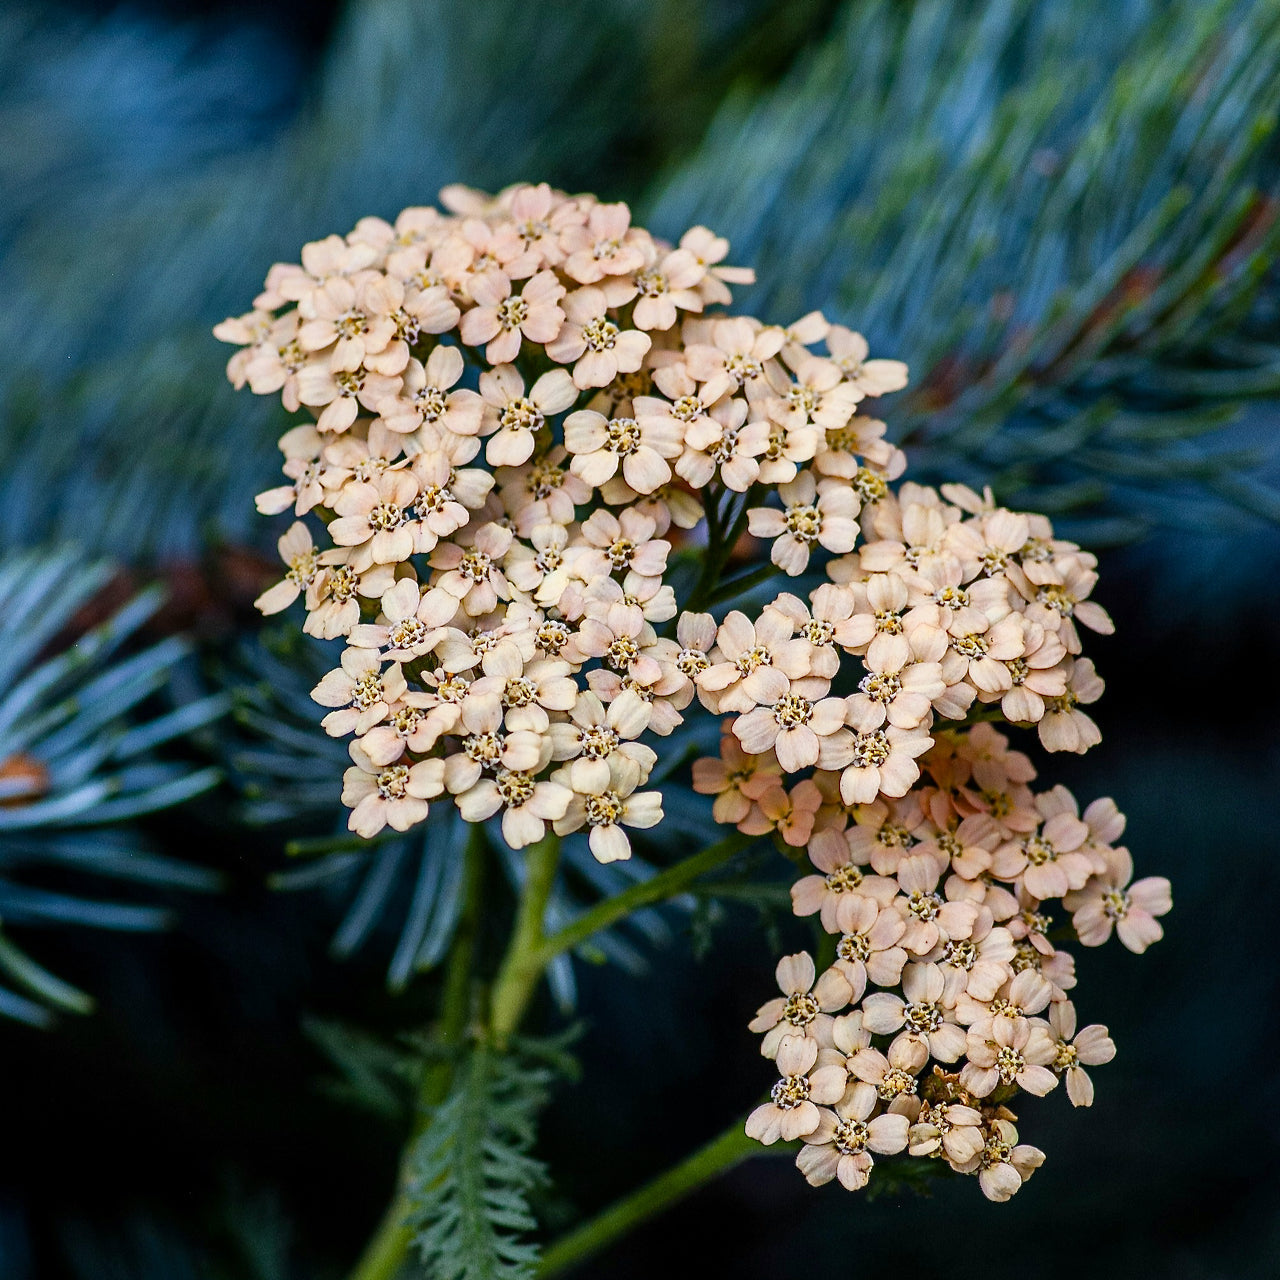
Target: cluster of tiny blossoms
518, 409
523, 416
947, 995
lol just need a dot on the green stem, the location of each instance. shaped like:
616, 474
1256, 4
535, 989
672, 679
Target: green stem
742, 582
721, 1154
720, 544
388, 1247
666, 884
524, 963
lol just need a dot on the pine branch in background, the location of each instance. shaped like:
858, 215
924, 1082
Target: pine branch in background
114, 341
288, 773
1063, 217
1062, 213
75, 755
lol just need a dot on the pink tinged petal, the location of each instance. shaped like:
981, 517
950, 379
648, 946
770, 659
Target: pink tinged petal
554, 391
795, 975
817, 1163
887, 1134
609, 844
854, 1171
796, 748
948, 1042
276, 598
908, 1053
1095, 1046
882, 1013
885, 967
870, 1065
1079, 1087
808, 894
796, 1055
1037, 1080
799, 1121
1154, 895
832, 991
979, 1081
999, 1183
767, 1015
964, 1142
1138, 930
827, 1084
764, 1124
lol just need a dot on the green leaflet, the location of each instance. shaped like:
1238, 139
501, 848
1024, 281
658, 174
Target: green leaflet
471, 1171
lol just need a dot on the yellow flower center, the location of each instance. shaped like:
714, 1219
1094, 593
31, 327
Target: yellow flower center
622, 436
368, 690
512, 313
687, 408
407, 633
804, 522
853, 946
384, 516
600, 334
790, 1092
870, 750
895, 1083
604, 810
521, 414
392, 782
430, 402
844, 879
791, 711
753, 658
800, 1009
870, 487
691, 661
475, 565
620, 552
1008, 1063
621, 653
881, 686
519, 692
515, 787
342, 583
552, 636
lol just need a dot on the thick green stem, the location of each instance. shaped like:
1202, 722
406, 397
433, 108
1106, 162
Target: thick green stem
524, 963
388, 1247
528, 955
724, 531
666, 884
719, 1155
741, 582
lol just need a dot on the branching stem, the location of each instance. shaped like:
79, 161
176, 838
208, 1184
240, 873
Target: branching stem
388, 1247
666, 884
719, 1155
523, 965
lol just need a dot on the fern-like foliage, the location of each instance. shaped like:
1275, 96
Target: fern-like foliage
471, 1171
75, 755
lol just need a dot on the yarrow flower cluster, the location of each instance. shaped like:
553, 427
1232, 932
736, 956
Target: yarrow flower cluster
524, 419
948, 994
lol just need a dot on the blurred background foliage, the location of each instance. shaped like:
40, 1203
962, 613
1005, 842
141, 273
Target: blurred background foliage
1064, 216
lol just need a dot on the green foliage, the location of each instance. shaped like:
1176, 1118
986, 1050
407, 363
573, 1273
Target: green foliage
370, 1074
1062, 216
471, 1170
78, 751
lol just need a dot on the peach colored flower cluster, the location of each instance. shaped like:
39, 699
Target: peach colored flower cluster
527, 426
948, 994
518, 409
